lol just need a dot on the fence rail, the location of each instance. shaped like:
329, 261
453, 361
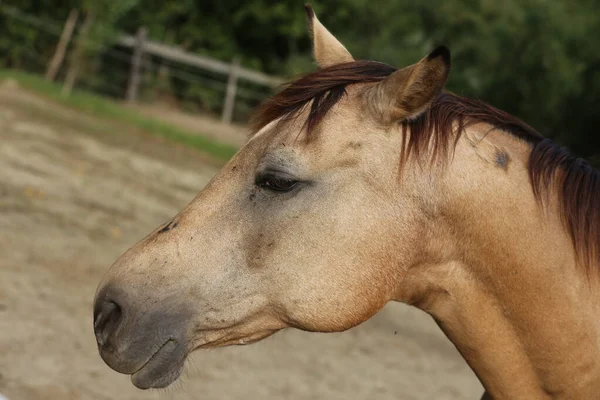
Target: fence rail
67, 35
141, 45
178, 55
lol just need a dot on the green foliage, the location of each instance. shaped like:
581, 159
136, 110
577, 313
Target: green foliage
24, 41
532, 58
106, 14
536, 59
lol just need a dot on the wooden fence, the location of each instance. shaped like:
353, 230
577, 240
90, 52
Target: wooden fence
67, 34
142, 45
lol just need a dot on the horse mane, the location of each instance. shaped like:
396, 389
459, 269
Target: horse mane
550, 166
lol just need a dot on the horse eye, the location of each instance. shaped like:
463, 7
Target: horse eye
276, 183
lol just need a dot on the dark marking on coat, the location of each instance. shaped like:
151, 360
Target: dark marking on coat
355, 145
502, 159
443, 123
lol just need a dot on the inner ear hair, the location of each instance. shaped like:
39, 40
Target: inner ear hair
408, 92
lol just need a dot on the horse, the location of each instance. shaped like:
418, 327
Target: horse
363, 184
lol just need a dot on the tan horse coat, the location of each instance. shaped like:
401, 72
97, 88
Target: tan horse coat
359, 196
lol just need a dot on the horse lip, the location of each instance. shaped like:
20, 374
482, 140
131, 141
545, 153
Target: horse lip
225, 340
162, 368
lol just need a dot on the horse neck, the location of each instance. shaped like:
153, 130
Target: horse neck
505, 286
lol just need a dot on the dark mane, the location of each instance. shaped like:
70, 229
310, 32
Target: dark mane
326, 87
551, 167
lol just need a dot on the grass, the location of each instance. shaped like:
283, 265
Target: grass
104, 108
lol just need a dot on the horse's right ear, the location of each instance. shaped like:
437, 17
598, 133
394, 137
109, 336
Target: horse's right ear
408, 92
326, 48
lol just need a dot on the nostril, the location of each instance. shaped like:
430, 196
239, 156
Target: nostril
106, 320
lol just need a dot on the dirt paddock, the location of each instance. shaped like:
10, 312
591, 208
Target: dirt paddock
75, 192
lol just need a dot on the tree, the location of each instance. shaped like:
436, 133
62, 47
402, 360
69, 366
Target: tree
536, 59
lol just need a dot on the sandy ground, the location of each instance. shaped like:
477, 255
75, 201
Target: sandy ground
200, 124
76, 192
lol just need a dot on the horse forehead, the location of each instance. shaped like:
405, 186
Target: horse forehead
265, 130
342, 125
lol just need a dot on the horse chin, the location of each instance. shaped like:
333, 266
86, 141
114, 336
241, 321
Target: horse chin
166, 365
162, 369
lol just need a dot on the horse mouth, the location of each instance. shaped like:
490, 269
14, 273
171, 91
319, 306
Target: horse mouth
166, 364
162, 368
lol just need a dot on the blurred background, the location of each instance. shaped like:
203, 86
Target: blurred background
536, 59
114, 114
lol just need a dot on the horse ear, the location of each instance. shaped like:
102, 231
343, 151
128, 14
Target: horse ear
326, 48
408, 92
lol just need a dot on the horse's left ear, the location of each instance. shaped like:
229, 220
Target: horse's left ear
408, 92
326, 48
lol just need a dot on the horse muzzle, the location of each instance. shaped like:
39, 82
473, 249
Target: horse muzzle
149, 345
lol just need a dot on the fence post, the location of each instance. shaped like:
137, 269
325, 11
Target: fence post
136, 66
77, 55
63, 43
229, 104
